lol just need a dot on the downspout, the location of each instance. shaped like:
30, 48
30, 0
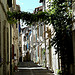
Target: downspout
10, 49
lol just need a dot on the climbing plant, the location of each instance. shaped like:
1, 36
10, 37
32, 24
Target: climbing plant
61, 19
27, 17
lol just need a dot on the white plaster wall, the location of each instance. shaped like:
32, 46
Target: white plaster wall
23, 34
54, 61
54, 57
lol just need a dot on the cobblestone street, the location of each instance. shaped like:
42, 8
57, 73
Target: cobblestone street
30, 68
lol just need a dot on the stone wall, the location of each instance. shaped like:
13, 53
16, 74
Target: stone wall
3, 37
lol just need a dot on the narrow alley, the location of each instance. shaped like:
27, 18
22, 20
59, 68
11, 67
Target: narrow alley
37, 37
30, 68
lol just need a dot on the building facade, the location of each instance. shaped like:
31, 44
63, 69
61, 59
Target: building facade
26, 32
7, 37
50, 58
4, 38
16, 44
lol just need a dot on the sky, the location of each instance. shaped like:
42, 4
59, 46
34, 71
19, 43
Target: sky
28, 5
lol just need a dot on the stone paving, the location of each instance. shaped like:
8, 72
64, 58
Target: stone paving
30, 68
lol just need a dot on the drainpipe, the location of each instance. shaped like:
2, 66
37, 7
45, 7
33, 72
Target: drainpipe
10, 49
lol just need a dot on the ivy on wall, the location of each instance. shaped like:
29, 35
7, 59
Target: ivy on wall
61, 19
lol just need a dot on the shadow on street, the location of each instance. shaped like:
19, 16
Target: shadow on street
30, 68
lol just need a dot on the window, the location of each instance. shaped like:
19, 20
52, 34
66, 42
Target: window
24, 47
41, 30
19, 42
9, 3
24, 38
16, 25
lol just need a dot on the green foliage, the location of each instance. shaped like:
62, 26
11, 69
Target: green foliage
49, 47
44, 51
11, 18
27, 17
61, 19
59, 71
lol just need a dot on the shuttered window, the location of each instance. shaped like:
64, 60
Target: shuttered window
41, 30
